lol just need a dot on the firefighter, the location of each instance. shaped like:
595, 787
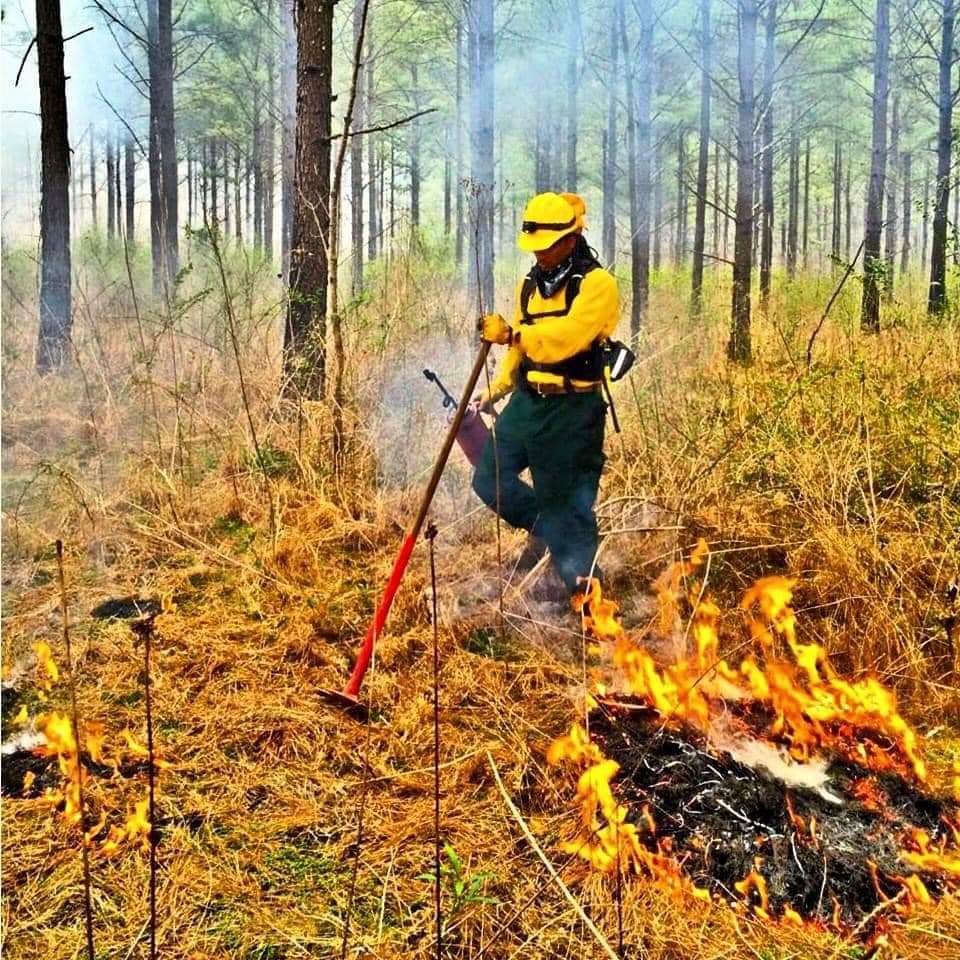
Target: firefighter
566, 306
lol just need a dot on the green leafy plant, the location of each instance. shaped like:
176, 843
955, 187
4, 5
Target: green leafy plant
463, 889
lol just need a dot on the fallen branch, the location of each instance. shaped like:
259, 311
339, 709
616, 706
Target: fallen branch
532, 840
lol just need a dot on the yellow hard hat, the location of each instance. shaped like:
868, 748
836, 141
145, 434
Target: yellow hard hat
548, 217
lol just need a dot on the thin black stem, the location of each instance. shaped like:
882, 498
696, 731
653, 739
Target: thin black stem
87, 885
151, 782
431, 536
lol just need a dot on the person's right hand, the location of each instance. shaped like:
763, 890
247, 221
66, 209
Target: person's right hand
482, 403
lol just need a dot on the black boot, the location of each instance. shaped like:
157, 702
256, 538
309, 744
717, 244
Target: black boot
532, 554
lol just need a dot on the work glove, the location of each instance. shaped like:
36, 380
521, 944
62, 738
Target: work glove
494, 329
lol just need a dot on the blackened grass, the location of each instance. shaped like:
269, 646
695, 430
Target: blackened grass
88, 900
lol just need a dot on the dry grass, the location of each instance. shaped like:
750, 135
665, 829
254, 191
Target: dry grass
846, 476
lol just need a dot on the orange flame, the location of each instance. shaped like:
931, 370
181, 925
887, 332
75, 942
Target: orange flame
46, 665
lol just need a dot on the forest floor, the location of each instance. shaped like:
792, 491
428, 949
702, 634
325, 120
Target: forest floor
281, 820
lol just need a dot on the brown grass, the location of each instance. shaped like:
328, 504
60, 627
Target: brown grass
845, 476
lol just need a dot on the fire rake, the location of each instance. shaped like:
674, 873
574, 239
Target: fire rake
348, 697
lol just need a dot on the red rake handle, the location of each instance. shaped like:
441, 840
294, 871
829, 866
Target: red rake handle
380, 617
403, 558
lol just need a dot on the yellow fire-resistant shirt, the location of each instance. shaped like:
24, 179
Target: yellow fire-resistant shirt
594, 313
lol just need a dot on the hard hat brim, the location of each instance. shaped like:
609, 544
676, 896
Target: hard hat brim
542, 239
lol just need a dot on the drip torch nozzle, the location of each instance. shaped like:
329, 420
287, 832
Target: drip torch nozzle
448, 400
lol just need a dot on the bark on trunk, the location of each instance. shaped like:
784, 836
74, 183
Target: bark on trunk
739, 347
806, 205
163, 149
793, 192
288, 132
925, 233
482, 151
872, 261
268, 156
573, 47
636, 300
937, 298
890, 232
459, 150
680, 234
111, 199
703, 159
93, 178
53, 339
374, 203
767, 221
907, 211
356, 174
837, 202
305, 334
414, 148
130, 171
610, 151
212, 176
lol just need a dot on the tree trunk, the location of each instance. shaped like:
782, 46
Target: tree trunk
644, 158
890, 232
907, 209
268, 148
703, 158
872, 261
373, 207
93, 178
766, 166
925, 234
658, 207
636, 300
163, 152
726, 204
806, 204
130, 172
739, 348
356, 172
288, 132
190, 177
680, 226
610, 151
257, 145
237, 218
481, 150
53, 338
717, 201
414, 148
111, 198
837, 202
793, 193
305, 334
212, 175
459, 151
848, 212
168, 141
225, 154
447, 183
937, 298
573, 47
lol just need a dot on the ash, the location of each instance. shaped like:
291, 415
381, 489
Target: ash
719, 814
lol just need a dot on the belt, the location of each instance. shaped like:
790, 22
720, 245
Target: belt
550, 389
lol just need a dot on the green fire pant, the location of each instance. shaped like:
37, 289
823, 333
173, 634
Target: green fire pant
560, 438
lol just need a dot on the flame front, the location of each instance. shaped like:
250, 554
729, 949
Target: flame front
811, 706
